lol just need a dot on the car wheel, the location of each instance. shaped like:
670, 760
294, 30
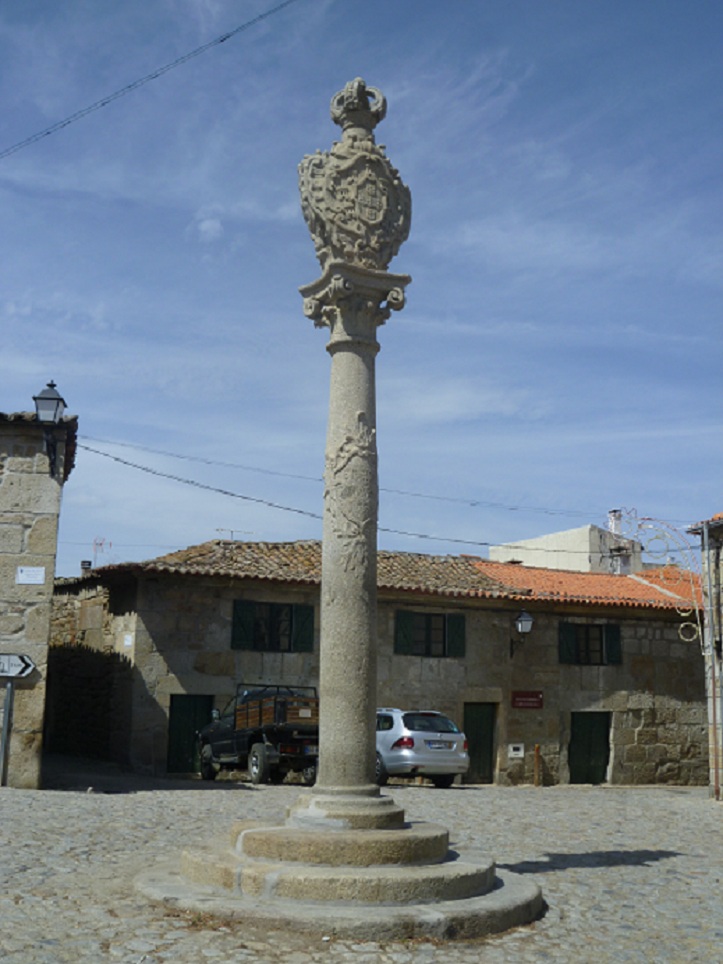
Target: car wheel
259, 767
443, 782
381, 775
208, 770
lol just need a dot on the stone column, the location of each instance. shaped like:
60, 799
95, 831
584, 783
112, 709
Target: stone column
30, 496
359, 213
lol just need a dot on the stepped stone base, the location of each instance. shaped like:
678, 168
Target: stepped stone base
366, 884
416, 844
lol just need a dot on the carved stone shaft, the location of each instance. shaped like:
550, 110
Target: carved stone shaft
348, 591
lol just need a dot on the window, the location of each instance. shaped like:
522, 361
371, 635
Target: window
590, 644
429, 634
272, 627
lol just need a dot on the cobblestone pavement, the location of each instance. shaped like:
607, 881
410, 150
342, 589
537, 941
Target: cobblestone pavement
629, 874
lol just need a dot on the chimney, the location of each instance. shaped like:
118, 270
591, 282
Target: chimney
615, 518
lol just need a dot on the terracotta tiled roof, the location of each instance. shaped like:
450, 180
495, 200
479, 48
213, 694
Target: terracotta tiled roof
276, 561
660, 589
456, 576
300, 562
436, 575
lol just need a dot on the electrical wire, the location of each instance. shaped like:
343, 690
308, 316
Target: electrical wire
266, 502
200, 485
479, 543
104, 101
457, 500
203, 461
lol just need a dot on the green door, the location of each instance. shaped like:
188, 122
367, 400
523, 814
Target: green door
479, 728
589, 750
187, 715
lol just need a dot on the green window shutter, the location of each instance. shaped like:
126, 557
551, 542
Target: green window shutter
455, 635
403, 632
567, 643
613, 645
242, 627
302, 621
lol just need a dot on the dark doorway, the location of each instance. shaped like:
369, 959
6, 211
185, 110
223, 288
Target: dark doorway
589, 750
479, 728
187, 715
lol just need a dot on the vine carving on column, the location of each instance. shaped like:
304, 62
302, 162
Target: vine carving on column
349, 471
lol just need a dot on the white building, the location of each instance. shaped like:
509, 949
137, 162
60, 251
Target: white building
586, 549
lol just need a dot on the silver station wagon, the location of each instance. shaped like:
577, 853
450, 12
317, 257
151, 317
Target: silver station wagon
423, 743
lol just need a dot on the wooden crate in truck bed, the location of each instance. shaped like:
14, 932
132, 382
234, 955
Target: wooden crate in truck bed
277, 710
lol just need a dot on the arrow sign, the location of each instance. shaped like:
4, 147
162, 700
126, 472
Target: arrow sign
11, 664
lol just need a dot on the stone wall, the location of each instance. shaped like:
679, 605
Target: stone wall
176, 633
182, 644
29, 506
655, 698
90, 680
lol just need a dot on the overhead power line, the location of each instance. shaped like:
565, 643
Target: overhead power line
457, 500
203, 461
104, 101
479, 543
200, 485
266, 502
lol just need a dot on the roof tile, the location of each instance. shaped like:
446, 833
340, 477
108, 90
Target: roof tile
451, 576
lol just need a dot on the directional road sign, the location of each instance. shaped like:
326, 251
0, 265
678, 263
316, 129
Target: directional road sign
12, 664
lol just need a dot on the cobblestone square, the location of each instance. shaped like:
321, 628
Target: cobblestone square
628, 874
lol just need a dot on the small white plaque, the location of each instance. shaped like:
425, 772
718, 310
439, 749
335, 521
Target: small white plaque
30, 576
516, 751
128, 640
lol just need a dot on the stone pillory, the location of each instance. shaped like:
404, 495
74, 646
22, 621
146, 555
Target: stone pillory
346, 862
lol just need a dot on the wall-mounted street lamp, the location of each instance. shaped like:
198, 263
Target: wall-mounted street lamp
49, 408
523, 625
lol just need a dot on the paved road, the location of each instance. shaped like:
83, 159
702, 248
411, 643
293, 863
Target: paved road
630, 875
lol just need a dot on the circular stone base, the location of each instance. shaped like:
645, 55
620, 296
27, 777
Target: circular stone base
512, 902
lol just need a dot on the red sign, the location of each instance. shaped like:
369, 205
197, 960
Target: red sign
527, 699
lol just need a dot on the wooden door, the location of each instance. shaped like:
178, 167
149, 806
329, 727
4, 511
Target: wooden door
187, 715
479, 728
589, 750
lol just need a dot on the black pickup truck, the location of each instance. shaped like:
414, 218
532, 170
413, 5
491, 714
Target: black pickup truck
268, 729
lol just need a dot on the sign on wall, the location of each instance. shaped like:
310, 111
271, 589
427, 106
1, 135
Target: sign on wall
527, 699
30, 576
15, 666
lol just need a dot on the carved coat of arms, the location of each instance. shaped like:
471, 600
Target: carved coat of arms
354, 202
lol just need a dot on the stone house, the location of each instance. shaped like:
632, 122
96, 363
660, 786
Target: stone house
601, 688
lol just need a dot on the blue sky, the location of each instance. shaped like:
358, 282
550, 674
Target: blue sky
560, 352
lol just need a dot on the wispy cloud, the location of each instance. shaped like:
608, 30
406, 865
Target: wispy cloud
417, 401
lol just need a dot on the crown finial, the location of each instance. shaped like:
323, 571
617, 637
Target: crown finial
358, 106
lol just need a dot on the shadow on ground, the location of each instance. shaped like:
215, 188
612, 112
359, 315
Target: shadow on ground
83, 775
598, 858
